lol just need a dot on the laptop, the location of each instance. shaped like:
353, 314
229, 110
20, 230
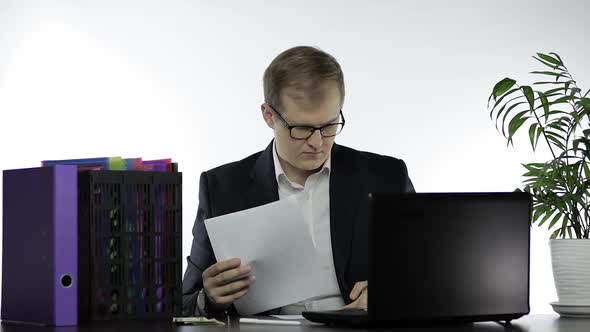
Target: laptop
444, 258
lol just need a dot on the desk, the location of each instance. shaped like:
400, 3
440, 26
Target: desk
540, 323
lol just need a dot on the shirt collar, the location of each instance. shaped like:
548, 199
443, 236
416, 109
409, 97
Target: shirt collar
279, 172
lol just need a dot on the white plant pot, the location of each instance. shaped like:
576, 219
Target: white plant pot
570, 259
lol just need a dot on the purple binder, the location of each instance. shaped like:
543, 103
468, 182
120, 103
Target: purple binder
40, 248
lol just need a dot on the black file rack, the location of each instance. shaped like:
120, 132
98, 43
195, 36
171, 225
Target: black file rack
130, 251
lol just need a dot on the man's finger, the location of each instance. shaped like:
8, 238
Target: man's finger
220, 267
358, 288
360, 302
363, 300
232, 275
229, 299
348, 306
240, 294
236, 286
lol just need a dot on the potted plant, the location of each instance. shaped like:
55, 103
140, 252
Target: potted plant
555, 111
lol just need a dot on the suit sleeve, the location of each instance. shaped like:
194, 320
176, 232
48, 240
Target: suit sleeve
408, 187
201, 256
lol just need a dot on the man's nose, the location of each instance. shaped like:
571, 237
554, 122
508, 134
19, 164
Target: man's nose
316, 140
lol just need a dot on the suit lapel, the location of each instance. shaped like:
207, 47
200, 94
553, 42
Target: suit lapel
344, 193
263, 188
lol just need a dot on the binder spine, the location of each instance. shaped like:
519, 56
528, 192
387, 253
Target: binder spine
65, 238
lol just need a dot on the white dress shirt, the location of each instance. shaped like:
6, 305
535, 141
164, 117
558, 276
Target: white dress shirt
316, 210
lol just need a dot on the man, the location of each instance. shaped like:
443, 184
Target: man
304, 94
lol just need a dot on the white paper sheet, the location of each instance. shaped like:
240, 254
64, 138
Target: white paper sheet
275, 240
288, 317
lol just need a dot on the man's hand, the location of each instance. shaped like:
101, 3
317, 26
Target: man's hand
358, 295
226, 281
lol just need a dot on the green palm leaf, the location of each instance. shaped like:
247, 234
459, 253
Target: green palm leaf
555, 111
501, 87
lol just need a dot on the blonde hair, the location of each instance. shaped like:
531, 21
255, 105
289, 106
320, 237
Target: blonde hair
304, 67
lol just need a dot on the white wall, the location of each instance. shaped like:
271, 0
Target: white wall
183, 79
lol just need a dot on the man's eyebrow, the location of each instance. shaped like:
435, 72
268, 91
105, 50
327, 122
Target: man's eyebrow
321, 125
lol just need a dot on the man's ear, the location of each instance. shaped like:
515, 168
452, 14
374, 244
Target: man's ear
267, 115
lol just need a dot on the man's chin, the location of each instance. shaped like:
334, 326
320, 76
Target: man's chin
311, 165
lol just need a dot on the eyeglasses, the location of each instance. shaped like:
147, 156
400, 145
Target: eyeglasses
305, 132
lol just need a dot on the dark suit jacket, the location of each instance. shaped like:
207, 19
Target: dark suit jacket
252, 182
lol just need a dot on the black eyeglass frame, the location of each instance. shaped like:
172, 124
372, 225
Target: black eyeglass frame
321, 129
